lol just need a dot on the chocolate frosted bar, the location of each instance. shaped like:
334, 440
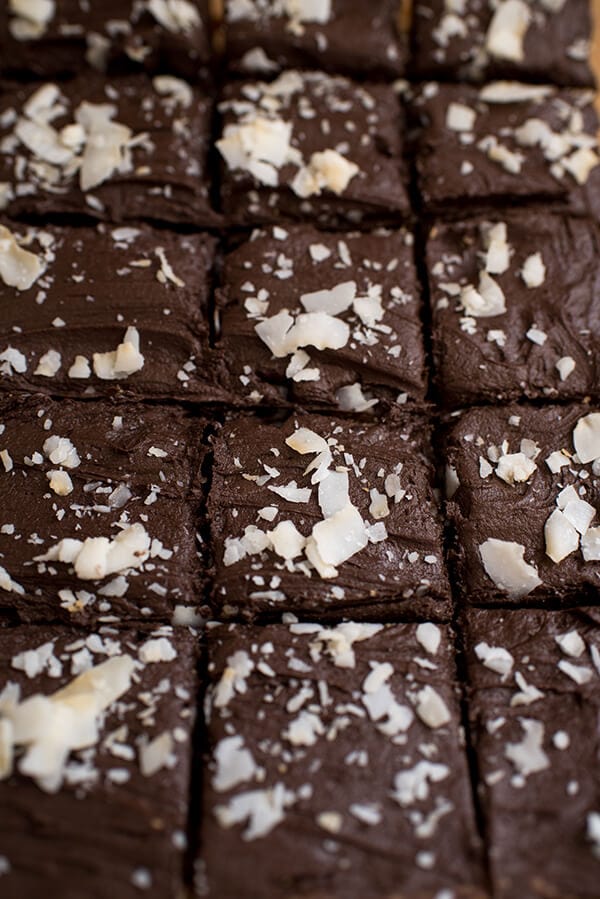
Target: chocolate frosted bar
336, 765
516, 307
534, 708
114, 149
507, 143
336, 35
478, 40
99, 510
323, 320
120, 310
325, 517
312, 146
57, 37
524, 496
96, 731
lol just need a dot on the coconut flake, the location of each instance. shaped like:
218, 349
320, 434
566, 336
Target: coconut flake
337, 299
60, 482
590, 545
507, 29
431, 708
304, 441
18, 267
155, 650
485, 302
561, 537
262, 809
534, 270
11, 361
429, 636
580, 514
497, 260
580, 163
106, 144
515, 468
505, 566
285, 335
7, 583
32, 18
341, 536
513, 92
48, 728
235, 764
61, 451
98, 557
291, 492
565, 367
571, 643
413, 784
177, 16
80, 368
174, 89
258, 145
496, 658
352, 399
334, 493
528, 756
157, 754
581, 674
557, 460
122, 362
327, 170
233, 680
586, 437
49, 364
287, 541
460, 117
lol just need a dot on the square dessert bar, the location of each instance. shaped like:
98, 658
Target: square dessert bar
478, 40
336, 765
312, 146
62, 36
515, 304
99, 510
323, 320
96, 731
121, 310
119, 148
534, 709
336, 35
507, 143
326, 517
524, 488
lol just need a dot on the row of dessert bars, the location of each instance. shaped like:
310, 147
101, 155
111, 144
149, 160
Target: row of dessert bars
464, 40
299, 456
293, 316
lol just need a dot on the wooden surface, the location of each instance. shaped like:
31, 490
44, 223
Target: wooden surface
595, 50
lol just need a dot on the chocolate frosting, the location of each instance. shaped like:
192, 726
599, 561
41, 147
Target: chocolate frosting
404, 573
526, 812
138, 465
341, 44
167, 180
110, 829
491, 358
97, 283
484, 507
325, 113
111, 34
347, 829
455, 173
555, 43
387, 358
